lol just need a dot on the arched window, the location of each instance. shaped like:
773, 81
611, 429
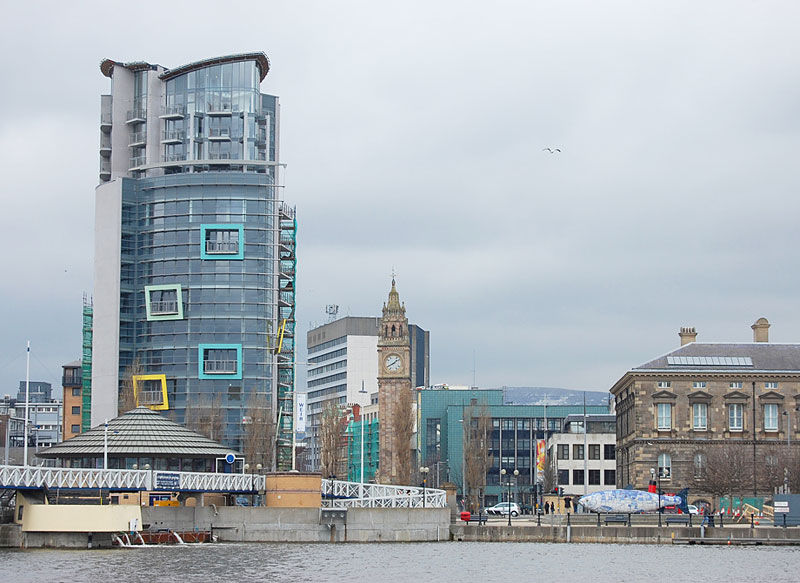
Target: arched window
700, 462
394, 330
664, 466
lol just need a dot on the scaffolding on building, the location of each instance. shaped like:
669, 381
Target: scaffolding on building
285, 349
86, 364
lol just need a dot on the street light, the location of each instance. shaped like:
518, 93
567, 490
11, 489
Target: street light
424, 471
363, 391
657, 477
503, 473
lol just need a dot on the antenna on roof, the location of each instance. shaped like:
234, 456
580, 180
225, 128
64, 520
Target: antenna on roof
332, 310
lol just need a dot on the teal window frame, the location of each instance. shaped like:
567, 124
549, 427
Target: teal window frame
201, 348
221, 256
178, 288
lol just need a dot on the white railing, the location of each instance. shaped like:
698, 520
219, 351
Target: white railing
31, 477
336, 493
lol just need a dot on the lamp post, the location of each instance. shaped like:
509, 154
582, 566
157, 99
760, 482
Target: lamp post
424, 471
657, 477
363, 391
755, 436
27, 402
503, 473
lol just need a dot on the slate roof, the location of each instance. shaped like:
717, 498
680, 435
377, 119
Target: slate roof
766, 357
140, 432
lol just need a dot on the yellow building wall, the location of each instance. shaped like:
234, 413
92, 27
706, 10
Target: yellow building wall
79, 518
294, 490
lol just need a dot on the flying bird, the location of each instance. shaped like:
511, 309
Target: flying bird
551, 150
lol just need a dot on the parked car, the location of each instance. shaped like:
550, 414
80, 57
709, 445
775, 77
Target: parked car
502, 509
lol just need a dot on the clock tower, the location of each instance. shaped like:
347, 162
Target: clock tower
394, 390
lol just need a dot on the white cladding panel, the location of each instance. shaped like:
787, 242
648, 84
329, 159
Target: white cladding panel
362, 365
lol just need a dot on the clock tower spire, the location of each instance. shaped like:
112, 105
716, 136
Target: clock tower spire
394, 391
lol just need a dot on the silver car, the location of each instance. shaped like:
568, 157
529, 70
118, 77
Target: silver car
503, 508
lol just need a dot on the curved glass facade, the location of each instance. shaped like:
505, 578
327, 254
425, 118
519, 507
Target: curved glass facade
217, 113
205, 283
226, 300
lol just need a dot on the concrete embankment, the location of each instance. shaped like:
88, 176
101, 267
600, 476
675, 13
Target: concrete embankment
625, 535
265, 524
260, 524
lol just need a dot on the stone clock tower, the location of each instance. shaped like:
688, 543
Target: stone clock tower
394, 388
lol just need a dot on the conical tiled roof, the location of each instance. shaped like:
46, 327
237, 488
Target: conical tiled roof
140, 432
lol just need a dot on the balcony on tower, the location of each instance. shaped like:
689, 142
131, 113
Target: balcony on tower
138, 139
219, 135
172, 112
136, 115
173, 136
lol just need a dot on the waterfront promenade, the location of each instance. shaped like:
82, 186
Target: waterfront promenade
644, 529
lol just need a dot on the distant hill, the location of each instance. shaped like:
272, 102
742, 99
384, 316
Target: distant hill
552, 396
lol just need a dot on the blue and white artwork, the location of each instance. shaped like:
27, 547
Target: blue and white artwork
624, 501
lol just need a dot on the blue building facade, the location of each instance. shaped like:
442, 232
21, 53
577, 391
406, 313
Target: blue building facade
513, 431
195, 251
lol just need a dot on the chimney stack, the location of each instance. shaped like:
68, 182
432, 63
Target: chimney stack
761, 330
687, 334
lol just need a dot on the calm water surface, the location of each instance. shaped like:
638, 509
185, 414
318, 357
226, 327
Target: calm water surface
423, 562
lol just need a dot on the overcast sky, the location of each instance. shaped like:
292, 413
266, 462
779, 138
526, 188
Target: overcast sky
413, 136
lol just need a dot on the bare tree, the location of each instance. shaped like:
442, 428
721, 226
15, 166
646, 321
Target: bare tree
728, 470
477, 456
205, 416
330, 439
550, 473
259, 437
127, 398
403, 433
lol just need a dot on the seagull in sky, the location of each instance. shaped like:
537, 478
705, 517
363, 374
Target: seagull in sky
551, 150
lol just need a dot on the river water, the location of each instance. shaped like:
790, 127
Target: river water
417, 562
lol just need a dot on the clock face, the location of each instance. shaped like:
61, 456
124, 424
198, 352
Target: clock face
393, 363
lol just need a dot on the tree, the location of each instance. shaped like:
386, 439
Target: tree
403, 433
127, 398
330, 431
477, 456
259, 435
728, 470
205, 416
550, 473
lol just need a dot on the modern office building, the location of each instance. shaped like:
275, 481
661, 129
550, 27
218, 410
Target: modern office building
194, 250
511, 440
343, 360
44, 413
583, 462
699, 411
